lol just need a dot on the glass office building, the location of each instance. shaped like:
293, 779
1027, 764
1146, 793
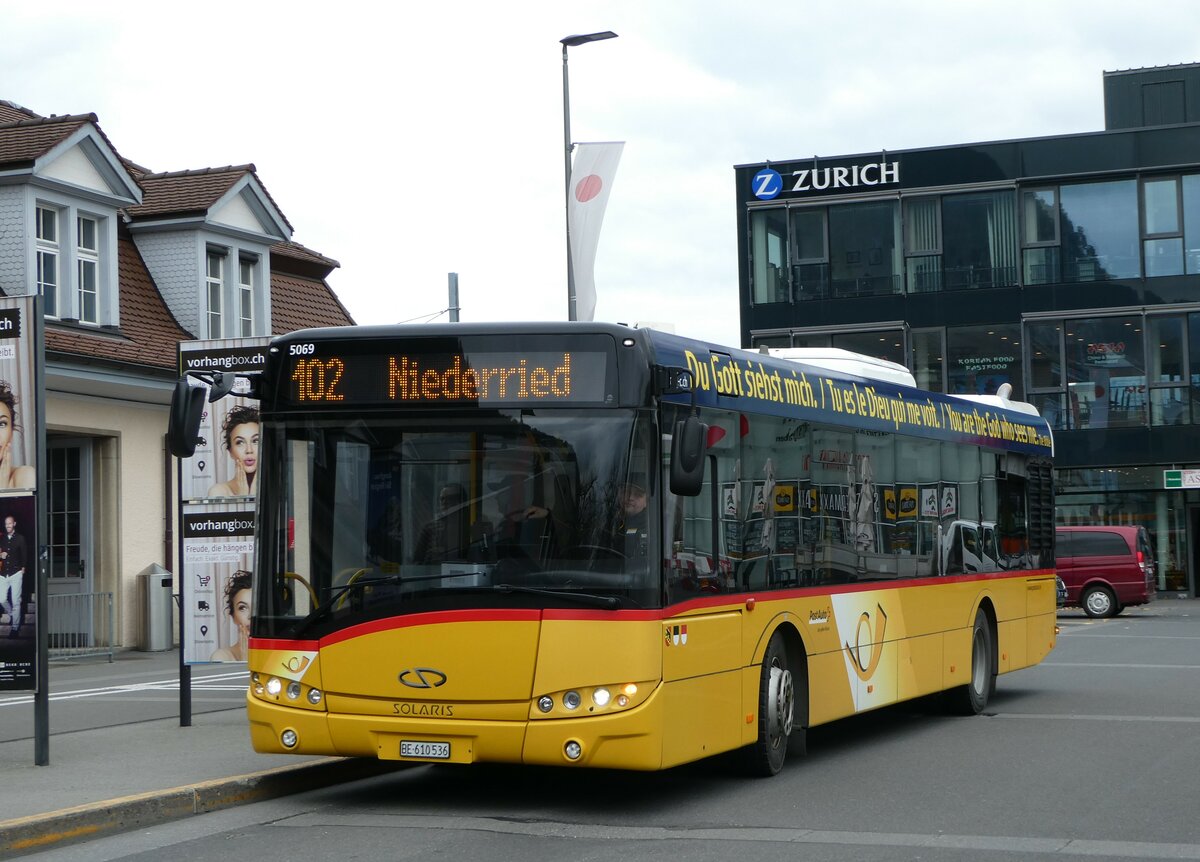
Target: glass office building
1066, 266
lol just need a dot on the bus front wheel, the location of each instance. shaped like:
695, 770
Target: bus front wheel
972, 698
776, 711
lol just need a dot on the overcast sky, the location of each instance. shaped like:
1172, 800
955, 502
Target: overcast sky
408, 141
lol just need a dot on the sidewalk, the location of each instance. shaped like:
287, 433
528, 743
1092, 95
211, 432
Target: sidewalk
111, 779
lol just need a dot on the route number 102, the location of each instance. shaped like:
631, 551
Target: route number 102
316, 380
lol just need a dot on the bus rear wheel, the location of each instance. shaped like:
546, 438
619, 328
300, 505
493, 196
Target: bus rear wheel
972, 698
776, 712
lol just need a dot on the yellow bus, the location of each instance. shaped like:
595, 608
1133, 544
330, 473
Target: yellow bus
599, 546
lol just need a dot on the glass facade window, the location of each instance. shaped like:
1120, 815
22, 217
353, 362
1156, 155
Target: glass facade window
1106, 375
923, 244
1191, 223
928, 358
246, 297
1100, 231
863, 251
1163, 246
979, 240
1169, 401
768, 255
888, 344
810, 276
1040, 257
981, 358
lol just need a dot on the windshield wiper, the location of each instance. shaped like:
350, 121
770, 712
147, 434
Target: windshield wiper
322, 610
611, 602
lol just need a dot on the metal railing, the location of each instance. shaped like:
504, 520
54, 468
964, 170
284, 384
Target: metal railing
81, 624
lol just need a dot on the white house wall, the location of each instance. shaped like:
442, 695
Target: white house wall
129, 469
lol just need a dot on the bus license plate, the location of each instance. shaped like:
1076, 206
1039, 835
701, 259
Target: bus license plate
428, 750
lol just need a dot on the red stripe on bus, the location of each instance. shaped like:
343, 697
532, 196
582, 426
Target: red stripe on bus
717, 600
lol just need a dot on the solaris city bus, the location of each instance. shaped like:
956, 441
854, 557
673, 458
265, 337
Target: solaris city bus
601, 546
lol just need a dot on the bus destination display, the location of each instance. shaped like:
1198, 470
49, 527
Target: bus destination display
416, 378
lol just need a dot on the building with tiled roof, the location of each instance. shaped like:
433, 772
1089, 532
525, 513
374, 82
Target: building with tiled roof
128, 263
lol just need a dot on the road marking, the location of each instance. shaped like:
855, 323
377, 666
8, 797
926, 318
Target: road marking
1126, 666
1075, 716
207, 683
1050, 846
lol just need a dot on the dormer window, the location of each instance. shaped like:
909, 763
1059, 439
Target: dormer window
214, 286
87, 262
246, 297
47, 258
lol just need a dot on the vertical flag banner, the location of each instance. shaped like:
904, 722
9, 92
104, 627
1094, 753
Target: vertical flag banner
592, 170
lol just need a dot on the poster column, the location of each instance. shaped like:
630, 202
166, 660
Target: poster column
217, 486
22, 596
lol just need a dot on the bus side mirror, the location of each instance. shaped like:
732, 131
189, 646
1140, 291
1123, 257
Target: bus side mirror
687, 457
183, 425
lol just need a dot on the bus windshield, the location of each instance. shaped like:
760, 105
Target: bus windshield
378, 516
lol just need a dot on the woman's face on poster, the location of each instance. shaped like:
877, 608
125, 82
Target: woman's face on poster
241, 610
6, 425
243, 445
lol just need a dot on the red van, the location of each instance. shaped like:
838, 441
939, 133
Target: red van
1105, 568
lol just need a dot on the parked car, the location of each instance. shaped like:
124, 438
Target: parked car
1105, 569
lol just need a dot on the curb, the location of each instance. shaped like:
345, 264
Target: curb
98, 819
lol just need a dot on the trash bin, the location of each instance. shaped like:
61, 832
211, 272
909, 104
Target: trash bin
156, 609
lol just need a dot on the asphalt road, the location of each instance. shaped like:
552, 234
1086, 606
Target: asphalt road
1094, 754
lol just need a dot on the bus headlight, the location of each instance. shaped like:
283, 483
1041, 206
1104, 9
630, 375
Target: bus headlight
545, 703
274, 686
571, 700
601, 697
314, 696
293, 690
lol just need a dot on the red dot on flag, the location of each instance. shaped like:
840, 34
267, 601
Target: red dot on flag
587, 188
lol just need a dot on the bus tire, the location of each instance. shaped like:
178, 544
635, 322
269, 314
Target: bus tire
776, 712
972, 698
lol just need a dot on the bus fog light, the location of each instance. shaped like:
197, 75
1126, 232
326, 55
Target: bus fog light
289, 738
293, 690
571, 700
601, 697
274, 686
314, 696
545, 703
573, 750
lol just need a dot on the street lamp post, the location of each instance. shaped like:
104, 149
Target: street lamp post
571, 42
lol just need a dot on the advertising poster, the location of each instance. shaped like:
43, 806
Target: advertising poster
225, 463
18, 437
18, 582
218, 558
